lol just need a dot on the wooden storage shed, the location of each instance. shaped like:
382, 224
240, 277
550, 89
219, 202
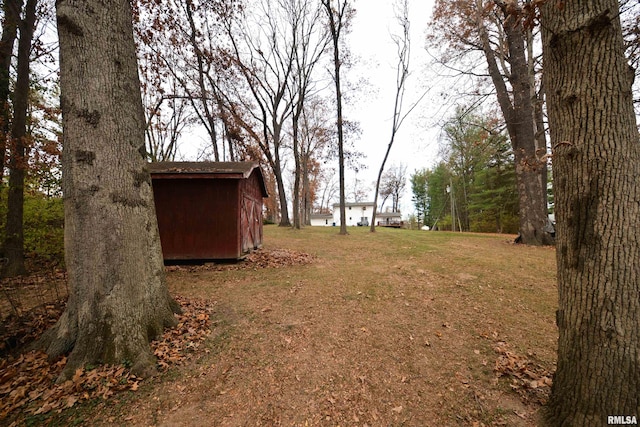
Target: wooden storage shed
208, 210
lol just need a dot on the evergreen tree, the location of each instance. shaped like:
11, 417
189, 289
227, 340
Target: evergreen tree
493, 202
420, 195
438, 179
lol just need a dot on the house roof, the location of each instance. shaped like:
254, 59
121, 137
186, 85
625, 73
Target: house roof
354, 204
389, 214
216, 170
321, 216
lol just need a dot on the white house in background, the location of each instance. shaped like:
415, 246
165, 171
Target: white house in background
322, 220
358, 214
389, 219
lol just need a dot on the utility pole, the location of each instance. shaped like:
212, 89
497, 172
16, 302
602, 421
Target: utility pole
453, 206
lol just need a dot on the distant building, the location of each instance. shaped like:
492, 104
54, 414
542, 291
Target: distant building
357, 214
389, 219
320, 220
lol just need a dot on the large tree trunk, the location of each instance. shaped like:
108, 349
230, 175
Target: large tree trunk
277, 171
596, 164
118, 298
518, 112
14, 230
522, 131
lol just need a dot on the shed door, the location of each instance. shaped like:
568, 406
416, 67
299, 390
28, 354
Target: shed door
250, 224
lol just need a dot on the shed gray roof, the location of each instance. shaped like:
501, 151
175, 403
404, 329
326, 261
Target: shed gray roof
232, 170
243, 168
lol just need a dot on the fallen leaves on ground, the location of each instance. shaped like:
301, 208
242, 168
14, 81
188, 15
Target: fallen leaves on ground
20, 293
16, 331
262, 258
177, 344
29, 305
530, 380
28, 384
276, 258
27, 381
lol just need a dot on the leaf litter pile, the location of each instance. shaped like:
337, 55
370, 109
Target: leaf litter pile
263, 258
28, 380
529, 379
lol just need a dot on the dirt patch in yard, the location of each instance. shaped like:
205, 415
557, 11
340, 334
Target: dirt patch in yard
371, 329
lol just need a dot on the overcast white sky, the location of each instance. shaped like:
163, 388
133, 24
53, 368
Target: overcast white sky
370, 41
375, 60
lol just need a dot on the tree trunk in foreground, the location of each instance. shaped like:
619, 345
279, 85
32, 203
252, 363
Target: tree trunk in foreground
596, 164
118, 299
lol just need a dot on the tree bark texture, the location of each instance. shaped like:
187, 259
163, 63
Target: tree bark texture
118, 299
596, 164
530, 170
14, 229
518, 112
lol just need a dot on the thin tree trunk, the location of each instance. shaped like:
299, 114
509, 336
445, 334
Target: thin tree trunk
227, 135
336, 27
210, 124
372, 226
537, 100
11, 9
541, 142
403, 45
14, 231
343, 211
297, 222
118, 298
596, 164
306, 190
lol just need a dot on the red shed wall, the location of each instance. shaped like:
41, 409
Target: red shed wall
198, 218
251, 212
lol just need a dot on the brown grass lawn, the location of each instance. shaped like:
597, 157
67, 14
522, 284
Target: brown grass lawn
393, 328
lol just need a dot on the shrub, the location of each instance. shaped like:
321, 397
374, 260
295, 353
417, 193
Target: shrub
43, 227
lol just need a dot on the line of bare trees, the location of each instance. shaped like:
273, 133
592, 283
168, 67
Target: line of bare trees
118, 299
253, 75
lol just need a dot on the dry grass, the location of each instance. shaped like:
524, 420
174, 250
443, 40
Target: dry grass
386, 329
